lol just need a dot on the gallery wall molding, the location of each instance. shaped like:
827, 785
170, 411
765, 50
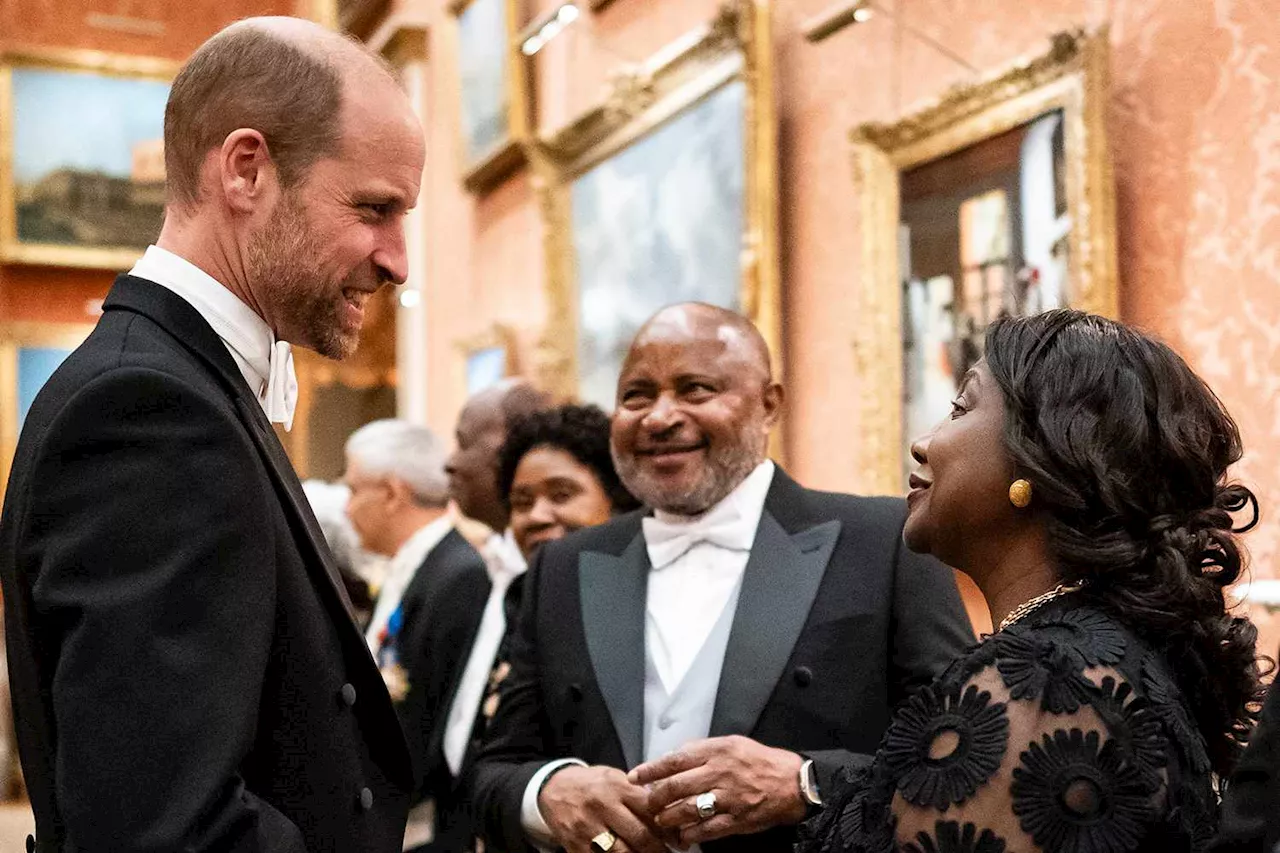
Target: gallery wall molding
1071, 77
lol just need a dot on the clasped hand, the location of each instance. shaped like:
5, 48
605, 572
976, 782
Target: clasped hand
652, 807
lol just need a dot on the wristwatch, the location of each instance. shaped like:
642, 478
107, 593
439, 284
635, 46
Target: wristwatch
809, 787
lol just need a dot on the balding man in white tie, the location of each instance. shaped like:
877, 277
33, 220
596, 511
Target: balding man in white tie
185, 668
735, 649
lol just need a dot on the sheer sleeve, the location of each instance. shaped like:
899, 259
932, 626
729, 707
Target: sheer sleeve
1066, 736
1044, 745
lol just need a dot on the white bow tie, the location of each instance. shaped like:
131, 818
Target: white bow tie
724, 527
503, 560
282, 386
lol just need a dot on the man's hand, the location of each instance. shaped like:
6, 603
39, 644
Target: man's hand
579, 803
756, 787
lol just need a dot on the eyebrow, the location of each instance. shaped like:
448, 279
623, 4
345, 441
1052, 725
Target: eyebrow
970, 375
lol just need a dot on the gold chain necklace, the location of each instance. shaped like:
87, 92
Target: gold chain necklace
1027, 606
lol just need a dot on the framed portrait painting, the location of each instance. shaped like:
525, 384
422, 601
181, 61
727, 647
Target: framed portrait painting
82, 170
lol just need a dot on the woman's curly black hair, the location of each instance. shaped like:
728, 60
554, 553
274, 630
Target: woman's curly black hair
1128, 451
581, 431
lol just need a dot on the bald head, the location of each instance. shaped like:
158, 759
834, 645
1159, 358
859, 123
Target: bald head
696, 402
286, 78
506, 400
691, 322
482, 429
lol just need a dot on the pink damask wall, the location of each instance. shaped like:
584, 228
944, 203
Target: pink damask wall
1194, 131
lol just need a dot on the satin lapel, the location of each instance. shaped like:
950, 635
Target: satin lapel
778, 588
613, 592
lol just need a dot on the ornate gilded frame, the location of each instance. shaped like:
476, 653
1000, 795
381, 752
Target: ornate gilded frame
13, 337
491, 168
496, 336
12, 251
1072, 77
736, 45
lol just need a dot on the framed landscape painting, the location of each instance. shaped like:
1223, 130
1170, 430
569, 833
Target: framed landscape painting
657, 223
663, 192
29, 355
486, 30
82, 169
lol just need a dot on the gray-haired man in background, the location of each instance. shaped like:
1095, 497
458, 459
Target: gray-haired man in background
429, 607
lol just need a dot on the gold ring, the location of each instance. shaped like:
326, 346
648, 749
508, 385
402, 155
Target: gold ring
604, 841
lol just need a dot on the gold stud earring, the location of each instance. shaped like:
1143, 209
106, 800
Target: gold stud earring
1020, 493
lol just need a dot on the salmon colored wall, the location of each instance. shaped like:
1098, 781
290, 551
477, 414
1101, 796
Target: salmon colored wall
68, 295
1194, 132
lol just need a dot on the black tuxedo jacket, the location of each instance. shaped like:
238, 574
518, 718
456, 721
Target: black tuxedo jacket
442, 607
1250, 819
836, 622
185, 671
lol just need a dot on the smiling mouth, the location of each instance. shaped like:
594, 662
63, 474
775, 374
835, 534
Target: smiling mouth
662, 452
355, 298
916, 482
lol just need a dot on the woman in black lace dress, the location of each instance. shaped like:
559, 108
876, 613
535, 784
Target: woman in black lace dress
1081, 482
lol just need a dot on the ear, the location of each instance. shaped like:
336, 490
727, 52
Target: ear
774, 400
246, 174
398, 492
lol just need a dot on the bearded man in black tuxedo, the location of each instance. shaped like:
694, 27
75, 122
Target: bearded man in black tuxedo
734, 649
185, 668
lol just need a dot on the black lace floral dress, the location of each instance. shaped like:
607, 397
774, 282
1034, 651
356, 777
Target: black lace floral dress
1064, 733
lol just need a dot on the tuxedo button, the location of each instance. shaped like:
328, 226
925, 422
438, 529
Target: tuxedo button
575, 692
665, 722
803, 676
348, 694
366, 799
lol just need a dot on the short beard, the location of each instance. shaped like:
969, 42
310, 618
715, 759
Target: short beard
726, 467
282, 262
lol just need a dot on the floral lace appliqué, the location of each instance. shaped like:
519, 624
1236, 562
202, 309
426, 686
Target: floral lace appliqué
1095, 638
1073, 795
951, 837
944, 744
1031, 667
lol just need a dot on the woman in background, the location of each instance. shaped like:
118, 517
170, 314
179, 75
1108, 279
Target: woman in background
1081, 482
557, 476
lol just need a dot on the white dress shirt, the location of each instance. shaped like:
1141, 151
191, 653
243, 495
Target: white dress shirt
265, 363
696, 562
400, 571
505, 563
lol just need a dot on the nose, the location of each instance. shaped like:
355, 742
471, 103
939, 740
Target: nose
542, 513
391, 257
663, 415
920, 448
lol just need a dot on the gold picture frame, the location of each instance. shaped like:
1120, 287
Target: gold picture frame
75, 180
1071, 77
734, 47
485, 163
15, 337
489, 356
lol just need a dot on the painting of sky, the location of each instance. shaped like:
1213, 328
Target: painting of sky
82, 121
